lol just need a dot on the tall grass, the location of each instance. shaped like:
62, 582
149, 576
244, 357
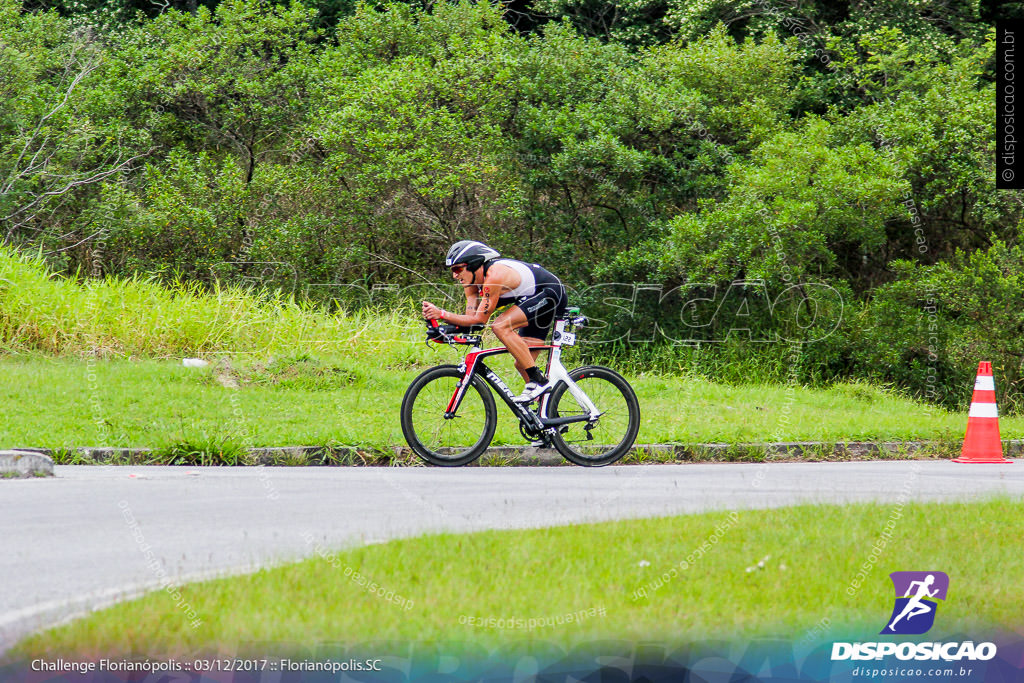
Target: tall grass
44, 312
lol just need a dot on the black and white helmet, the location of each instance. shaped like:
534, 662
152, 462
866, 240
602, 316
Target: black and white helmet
473, 254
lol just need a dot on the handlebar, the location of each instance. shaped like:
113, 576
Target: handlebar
457, 334
452, 334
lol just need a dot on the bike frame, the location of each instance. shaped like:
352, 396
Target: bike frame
539, 420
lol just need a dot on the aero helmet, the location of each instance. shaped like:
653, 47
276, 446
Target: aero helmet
473, 254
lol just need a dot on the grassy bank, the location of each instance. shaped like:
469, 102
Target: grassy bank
111, 318
98, 364
766, 572
342, 400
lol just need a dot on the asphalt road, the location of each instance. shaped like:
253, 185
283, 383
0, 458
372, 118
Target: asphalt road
94, 535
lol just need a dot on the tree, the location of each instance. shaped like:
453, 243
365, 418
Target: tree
224, 95
52, 151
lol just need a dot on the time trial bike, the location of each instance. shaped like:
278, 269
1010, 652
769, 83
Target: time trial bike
591, 415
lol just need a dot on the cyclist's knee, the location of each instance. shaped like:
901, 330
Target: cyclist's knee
501, 328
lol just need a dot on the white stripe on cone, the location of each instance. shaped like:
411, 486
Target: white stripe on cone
985, 383
983, 410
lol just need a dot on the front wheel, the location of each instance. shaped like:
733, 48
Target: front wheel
448, 442
609, 437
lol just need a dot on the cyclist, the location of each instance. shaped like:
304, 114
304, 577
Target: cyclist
536, 296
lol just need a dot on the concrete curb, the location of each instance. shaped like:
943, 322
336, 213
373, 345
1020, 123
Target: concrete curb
23, 464
530, 456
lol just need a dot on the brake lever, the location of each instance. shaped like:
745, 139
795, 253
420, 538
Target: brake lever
432, 325
435, 325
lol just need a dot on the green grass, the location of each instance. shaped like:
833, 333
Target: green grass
99, 365
135, 317
439, 582
62, 403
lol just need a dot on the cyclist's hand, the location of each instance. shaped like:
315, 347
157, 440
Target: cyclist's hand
430, 311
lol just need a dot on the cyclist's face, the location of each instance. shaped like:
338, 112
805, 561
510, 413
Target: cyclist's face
461, 273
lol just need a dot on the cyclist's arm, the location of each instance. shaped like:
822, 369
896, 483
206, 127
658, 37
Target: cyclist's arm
471, 299
488, 301
431, 310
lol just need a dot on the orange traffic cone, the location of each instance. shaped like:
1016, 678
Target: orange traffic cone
981, 443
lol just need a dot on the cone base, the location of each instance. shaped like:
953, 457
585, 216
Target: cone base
983, 461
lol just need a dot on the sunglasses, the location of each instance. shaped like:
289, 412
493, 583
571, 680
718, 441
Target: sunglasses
458, 269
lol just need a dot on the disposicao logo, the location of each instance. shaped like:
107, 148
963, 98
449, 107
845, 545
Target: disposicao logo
916, 594
913, 613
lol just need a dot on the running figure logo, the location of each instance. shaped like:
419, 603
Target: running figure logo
916, 592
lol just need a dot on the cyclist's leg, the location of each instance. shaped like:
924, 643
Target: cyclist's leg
505, 328
541, 310
530, 341
522, 371
537, 328
533, 318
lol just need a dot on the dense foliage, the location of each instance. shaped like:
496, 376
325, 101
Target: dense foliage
802, 190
